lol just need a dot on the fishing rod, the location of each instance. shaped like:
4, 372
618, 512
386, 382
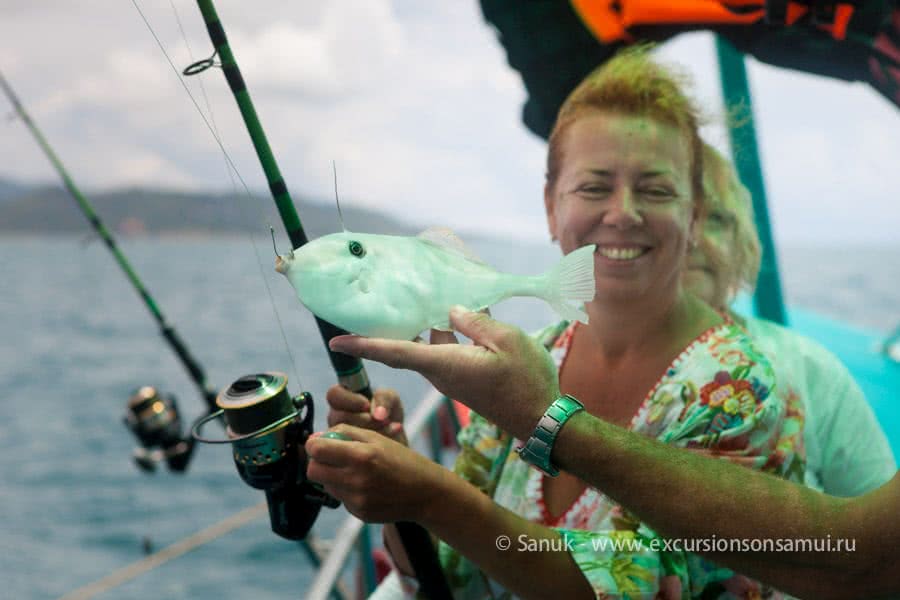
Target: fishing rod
152, 417
350, 371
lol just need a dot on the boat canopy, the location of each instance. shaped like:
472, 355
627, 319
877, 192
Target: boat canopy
554, 44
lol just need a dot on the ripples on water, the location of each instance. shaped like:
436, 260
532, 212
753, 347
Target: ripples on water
77, 341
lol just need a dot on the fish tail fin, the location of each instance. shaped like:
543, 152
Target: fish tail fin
570, 282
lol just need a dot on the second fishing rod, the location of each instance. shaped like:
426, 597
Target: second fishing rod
349, 370
151, 415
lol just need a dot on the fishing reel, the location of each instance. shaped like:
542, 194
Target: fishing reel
266, 428
154, 420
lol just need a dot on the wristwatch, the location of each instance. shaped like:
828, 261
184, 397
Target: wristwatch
537, 449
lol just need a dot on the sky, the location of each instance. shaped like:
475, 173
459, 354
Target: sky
412, 99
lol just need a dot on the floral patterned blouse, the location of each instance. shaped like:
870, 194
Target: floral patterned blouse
717, 398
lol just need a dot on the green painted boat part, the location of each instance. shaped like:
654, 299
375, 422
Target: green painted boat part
767, 300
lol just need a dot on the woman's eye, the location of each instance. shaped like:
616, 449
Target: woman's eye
720, 219
593, 189
657, 193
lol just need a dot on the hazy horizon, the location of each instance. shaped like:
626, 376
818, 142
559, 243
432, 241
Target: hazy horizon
413, 100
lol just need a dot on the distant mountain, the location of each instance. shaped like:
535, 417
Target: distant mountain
11, 189
51, 210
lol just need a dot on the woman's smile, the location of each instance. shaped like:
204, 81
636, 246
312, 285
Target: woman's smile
622, 253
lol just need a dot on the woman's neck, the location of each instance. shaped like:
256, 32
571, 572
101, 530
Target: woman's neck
621, 328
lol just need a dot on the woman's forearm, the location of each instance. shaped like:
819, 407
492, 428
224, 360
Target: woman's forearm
502, 544
710, 502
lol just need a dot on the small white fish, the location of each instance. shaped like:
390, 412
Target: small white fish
397, 286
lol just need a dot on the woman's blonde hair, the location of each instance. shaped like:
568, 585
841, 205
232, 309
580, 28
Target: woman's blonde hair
633, 84
724, 191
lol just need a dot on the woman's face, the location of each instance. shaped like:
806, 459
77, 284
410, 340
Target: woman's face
709, 261
624, 184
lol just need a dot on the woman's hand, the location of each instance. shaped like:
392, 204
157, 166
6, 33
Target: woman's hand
383, 413
381, 481
506, 376
377, 479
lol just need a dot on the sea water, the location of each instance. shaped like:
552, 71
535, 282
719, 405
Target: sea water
77, 340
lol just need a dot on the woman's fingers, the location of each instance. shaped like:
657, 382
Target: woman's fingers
347, 407
393, 353
376, 478
386, 406
442, 337
342, 399
383, 413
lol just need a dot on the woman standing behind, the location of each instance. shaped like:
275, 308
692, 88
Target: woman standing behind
847, 453
624, 173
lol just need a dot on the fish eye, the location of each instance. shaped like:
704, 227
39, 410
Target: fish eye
356, 249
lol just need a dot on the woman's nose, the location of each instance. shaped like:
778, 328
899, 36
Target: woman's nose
622, 211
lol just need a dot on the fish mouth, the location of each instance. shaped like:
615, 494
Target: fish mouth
281, 265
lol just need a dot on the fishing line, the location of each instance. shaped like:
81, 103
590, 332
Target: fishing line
232, 168
206, 102
336, 199
349, 370
212, 116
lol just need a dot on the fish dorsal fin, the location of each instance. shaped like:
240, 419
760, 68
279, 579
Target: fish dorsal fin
445, 238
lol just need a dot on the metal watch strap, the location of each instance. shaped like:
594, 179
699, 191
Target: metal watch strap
537, 449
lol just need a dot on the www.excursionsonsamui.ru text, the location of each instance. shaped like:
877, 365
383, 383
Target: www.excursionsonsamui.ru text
717, 544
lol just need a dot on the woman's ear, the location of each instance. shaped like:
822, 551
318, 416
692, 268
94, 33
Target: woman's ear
549, 205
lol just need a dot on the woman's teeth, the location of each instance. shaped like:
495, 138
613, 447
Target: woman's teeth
621, 253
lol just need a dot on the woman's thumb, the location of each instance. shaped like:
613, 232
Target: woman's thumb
476, 326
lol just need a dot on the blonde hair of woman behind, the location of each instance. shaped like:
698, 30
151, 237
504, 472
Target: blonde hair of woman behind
723, 191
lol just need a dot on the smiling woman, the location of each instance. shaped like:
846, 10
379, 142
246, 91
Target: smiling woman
623, 188
624, 173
